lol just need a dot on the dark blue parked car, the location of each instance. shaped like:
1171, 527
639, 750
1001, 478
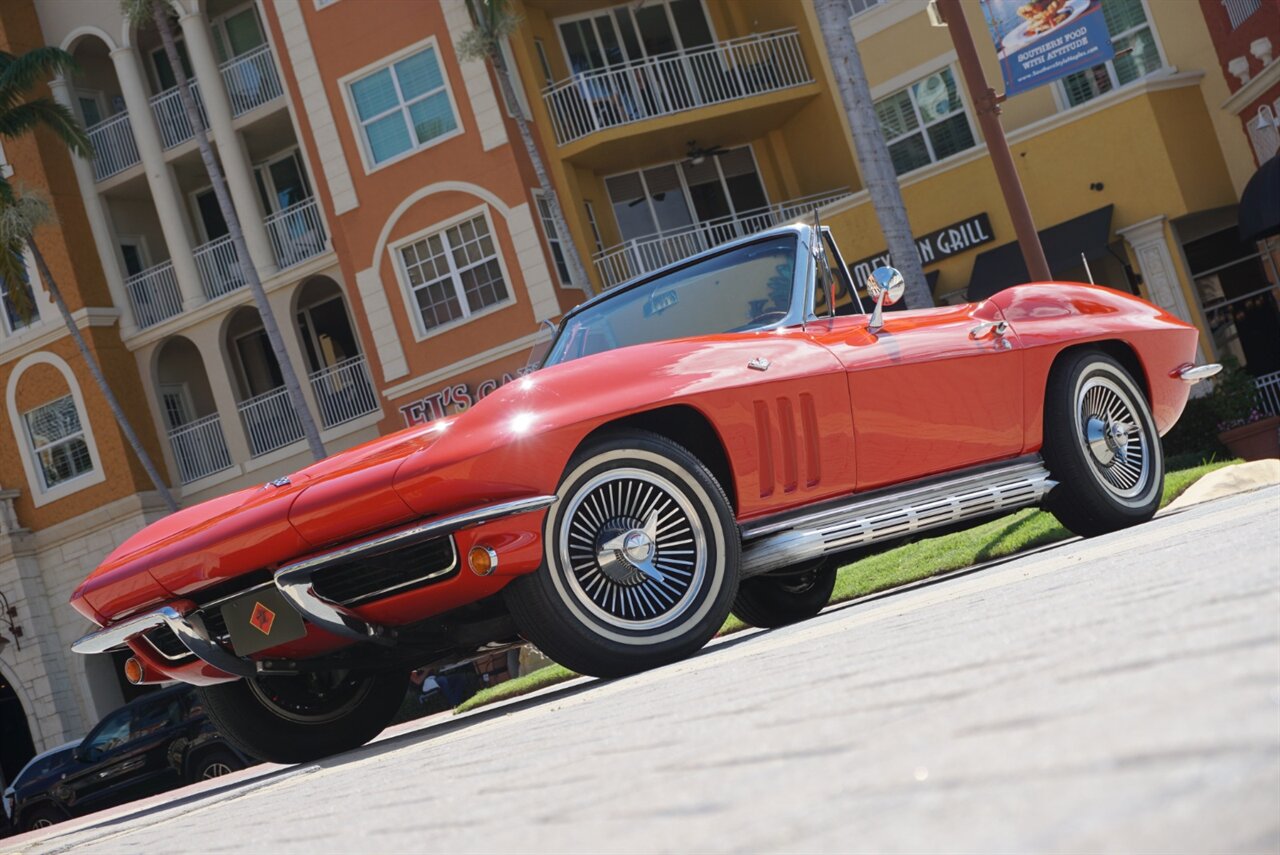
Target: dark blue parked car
156, 743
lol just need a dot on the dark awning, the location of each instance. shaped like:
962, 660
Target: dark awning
997, 269
1260, 203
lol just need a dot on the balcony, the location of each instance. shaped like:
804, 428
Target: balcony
638, 256
219, 267
270, 422
296, 233
344, 391
171, 115
114, 149
251, 80
154, 295
675, 83
199, 448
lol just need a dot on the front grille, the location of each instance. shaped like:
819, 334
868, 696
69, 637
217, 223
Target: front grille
370, 577
169, 645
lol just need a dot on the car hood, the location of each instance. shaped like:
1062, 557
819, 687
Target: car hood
254, 528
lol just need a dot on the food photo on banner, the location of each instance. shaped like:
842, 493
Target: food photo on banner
1039, 41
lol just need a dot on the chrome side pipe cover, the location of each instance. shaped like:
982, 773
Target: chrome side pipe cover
1195, 373
294, 582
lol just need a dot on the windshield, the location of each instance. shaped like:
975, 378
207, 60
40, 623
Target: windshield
742, 289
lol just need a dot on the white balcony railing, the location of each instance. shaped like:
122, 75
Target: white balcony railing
675, 82
296, 233
344, 391
154, 295
270, 421
219, 267
1269, 393
251, 80
114, 149
641, 255
171, 116
199, 448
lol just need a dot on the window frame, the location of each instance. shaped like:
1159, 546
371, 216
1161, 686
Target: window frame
546, 223
6, 328
420, 330
1063, 102
358, 126
922, 128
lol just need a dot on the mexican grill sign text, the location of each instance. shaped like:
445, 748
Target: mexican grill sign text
934, 246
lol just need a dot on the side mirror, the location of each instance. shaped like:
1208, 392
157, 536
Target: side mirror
81, 754
886, 286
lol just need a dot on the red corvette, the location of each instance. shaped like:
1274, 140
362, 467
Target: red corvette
718, 436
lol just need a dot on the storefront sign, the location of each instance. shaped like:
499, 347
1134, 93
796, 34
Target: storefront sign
452, 399
935, 246
1038, 41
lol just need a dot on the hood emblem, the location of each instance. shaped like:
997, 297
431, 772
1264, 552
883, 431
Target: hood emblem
758, 364
282, 481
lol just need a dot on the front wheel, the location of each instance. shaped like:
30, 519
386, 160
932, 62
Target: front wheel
640, 560
296, 719
215, 764
1101, 446
777, 600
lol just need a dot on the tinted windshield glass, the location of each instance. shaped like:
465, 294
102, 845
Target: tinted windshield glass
742, 289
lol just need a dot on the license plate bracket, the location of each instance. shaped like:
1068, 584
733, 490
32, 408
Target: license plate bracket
260, 619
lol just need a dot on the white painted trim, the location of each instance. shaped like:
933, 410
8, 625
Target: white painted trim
40, 495
421, 193
315, 103
1248, 93
914, 75
489, 114
420, 333
46, 332
867, 23
475, 360
353, 116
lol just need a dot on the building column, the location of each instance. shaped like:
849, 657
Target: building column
1148, 240
235, 162
99, 223
164, 190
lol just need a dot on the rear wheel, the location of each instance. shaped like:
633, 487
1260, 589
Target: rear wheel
42, 817
296, 719
777, 600
640, 563
1101, 445
215, 764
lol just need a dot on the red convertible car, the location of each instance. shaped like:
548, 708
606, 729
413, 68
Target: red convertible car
717, 436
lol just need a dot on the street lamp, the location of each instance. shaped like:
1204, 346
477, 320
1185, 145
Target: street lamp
9, 614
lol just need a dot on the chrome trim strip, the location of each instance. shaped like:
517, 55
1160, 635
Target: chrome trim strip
772, 546
294, 580
189, 629
409, 583
1196, 373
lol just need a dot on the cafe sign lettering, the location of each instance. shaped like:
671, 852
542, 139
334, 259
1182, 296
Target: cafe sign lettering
935, 246
452, 399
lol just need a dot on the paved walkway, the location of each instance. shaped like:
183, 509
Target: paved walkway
1115, 694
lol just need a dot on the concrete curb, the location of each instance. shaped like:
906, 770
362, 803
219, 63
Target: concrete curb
1228, 481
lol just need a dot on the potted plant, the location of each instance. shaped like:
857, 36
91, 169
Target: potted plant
1243, 427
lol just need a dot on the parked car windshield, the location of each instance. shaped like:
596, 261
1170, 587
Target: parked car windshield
742, 289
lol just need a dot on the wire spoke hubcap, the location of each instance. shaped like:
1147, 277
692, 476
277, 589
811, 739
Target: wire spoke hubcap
635, 548
1111, 432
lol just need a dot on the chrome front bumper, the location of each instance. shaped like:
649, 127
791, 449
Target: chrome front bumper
294, 583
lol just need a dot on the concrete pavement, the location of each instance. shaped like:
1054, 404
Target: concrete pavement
1114, 694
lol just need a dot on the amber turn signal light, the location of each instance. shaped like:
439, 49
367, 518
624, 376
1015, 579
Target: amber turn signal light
133, 670
482, 560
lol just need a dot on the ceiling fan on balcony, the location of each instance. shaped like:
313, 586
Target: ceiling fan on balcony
697, 153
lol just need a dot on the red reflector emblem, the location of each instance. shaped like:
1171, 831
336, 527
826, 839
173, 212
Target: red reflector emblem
262, 618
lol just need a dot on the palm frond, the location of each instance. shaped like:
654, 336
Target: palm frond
45, 112
19, 219
137, 12
495, 21
18, 73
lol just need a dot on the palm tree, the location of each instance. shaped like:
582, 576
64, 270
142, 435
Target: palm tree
22, 214
139, 13
494, 22
873, 154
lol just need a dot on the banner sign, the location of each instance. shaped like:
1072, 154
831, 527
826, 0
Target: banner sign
1039, 41
452, 399
934, 246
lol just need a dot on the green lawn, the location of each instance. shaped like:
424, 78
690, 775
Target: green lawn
912, 562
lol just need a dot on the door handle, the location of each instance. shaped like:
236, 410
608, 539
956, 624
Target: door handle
995, 329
